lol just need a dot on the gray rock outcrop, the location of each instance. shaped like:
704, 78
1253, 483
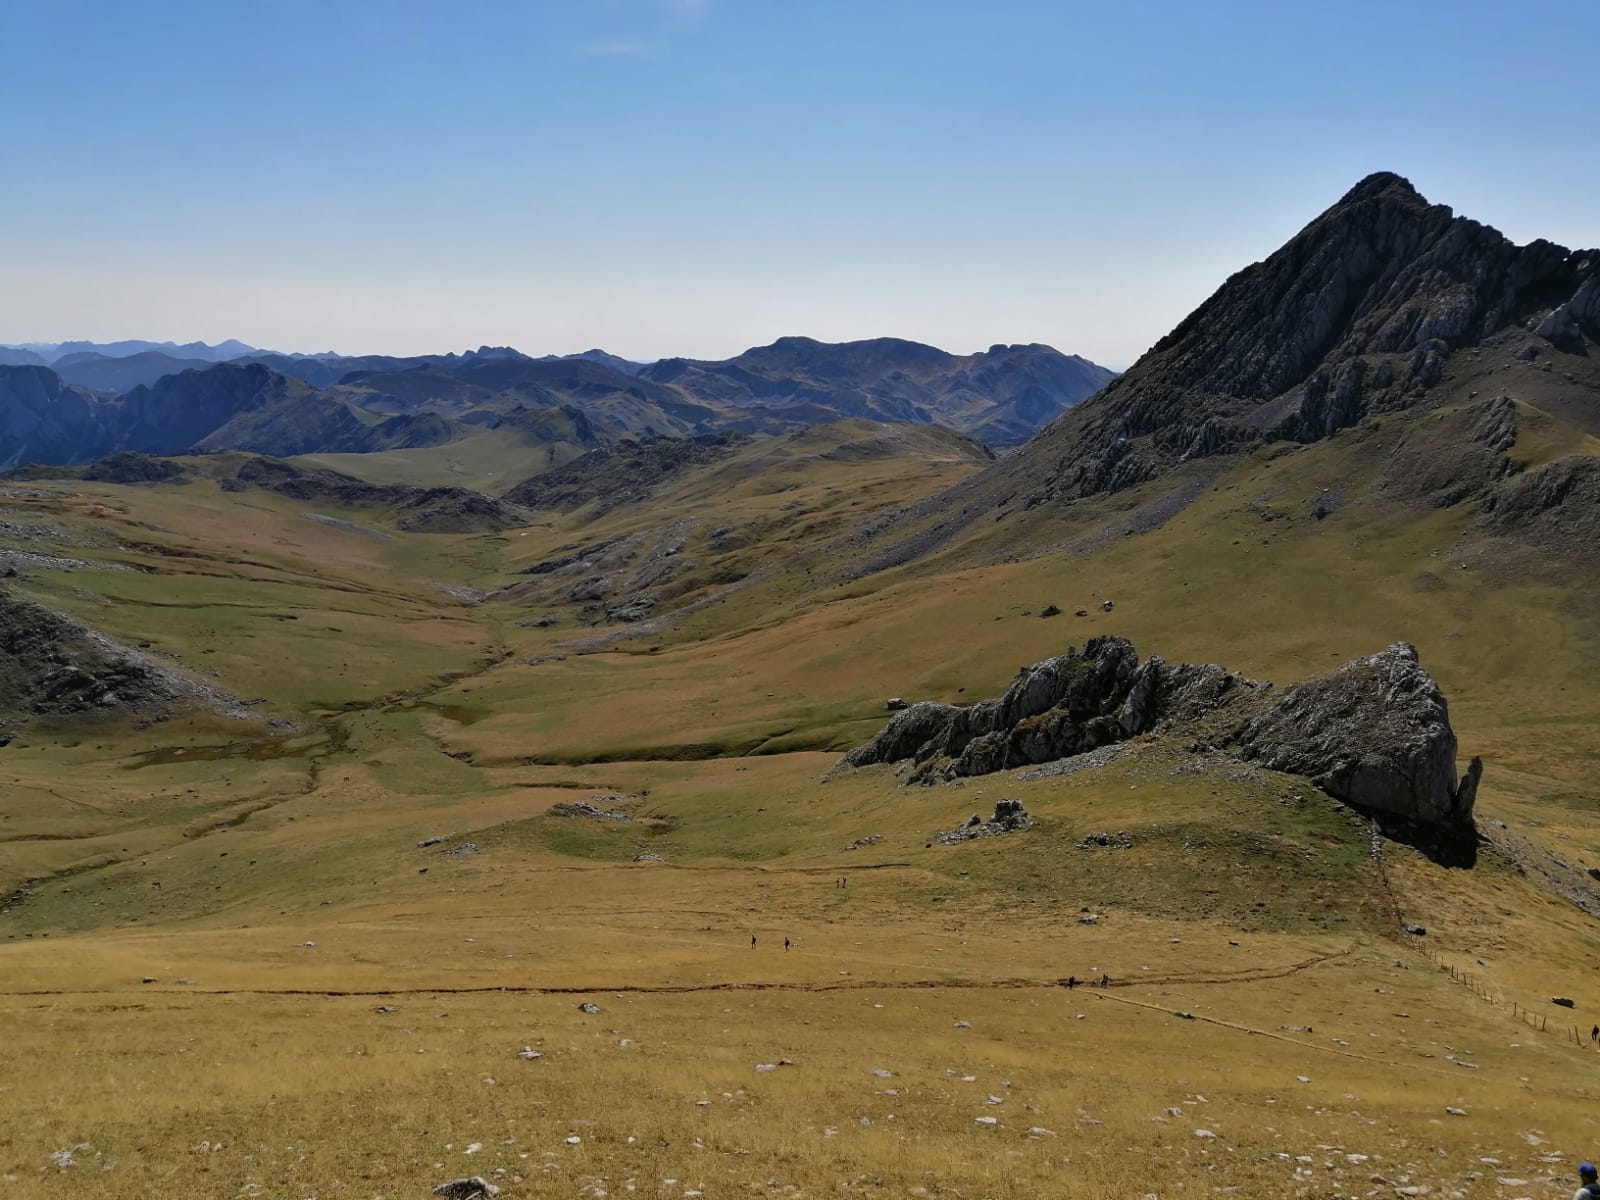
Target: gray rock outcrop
1009, 817
1054, 709
51, 666
1375, 733
475, 1188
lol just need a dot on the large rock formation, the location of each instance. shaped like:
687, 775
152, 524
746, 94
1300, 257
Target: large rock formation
1376, 733
1053, 709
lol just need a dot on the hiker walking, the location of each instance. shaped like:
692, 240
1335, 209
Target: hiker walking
1105, 981
1594, 1035
1590, 1179
752, 941
786, 945
1072, 982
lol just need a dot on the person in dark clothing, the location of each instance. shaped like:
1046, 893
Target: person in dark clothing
1594, 1034
1105, 981
786, 944
752, 941
1072, 982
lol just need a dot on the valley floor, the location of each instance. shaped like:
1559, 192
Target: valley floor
230, 967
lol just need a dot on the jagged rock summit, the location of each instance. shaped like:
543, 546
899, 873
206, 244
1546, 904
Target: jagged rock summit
1375, 733
1355, 315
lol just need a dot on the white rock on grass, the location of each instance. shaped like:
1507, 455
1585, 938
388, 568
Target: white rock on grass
987, 1121
529, 1053
1204, 1133
63, 1159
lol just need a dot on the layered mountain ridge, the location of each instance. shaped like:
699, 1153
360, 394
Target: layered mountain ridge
90, 405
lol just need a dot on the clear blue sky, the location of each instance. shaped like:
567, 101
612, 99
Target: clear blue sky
697, 176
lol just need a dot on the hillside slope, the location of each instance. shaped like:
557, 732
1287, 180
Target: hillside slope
1386, 312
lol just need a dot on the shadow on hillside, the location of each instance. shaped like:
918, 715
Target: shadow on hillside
1456, 847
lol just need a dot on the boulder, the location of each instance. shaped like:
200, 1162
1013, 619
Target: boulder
475, 1188
1375, 733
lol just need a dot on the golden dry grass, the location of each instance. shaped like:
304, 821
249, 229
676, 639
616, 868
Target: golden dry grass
1248, 901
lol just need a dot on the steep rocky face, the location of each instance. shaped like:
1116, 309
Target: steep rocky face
180, 411
1355, 315
44, 420
1375, 734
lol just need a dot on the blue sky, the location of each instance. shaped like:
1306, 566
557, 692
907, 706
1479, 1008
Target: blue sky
698, 176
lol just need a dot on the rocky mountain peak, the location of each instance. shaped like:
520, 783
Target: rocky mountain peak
1356, 314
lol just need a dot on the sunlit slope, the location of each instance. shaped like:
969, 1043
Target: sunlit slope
269, 877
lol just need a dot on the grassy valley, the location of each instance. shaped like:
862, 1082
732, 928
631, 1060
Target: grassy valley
232, 967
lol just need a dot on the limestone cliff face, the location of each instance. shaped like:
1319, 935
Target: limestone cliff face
1375, 733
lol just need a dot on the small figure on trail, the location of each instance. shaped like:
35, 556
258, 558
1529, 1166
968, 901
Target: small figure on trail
1072, 982
1594, 1035
1590, 1179
752, 941
1105, 981
841, 881
786, 945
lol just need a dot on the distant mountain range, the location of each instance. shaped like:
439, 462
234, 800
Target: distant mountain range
164, 399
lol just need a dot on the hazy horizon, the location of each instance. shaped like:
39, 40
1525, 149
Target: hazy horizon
695, 177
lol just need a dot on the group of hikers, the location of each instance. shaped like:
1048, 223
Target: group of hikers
1073, 981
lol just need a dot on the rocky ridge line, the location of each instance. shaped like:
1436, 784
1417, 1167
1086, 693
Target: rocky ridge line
1375, 733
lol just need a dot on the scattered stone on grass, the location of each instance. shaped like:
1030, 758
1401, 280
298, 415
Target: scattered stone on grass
1009, 817
1106, 841
474, 1188
588, 809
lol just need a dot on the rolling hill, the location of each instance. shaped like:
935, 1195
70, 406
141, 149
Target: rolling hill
549, 851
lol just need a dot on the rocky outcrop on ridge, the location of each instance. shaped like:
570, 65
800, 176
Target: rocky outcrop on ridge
51, 666
1054, 709
627, 473
1375, 733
